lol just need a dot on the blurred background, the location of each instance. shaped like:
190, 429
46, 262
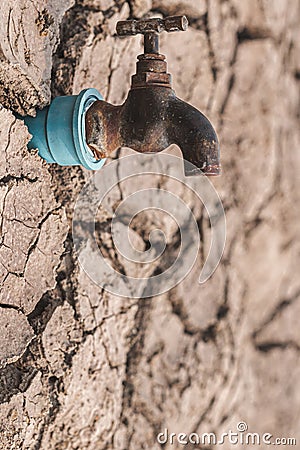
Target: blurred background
83, 369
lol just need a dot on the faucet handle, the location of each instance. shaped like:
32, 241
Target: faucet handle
151, 67
155, 25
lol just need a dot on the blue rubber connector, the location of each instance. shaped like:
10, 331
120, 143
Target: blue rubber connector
58, 131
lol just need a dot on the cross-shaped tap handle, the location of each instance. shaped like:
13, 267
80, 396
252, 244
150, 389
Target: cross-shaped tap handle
156, 25
151, 28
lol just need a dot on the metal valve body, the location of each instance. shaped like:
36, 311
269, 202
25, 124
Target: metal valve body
152, 117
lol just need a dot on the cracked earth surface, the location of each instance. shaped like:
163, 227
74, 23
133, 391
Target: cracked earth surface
82, 369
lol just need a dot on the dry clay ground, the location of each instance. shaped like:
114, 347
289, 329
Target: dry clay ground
83, 369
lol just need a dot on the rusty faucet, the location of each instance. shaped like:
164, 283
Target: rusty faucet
152, 117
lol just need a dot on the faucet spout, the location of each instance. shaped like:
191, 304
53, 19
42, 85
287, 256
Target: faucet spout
196, 137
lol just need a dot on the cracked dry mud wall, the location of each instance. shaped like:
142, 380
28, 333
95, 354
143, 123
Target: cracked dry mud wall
82, 369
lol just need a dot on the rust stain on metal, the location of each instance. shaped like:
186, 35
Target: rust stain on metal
152, 117
157, 25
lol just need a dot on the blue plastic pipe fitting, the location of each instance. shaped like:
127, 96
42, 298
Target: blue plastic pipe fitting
58, 131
